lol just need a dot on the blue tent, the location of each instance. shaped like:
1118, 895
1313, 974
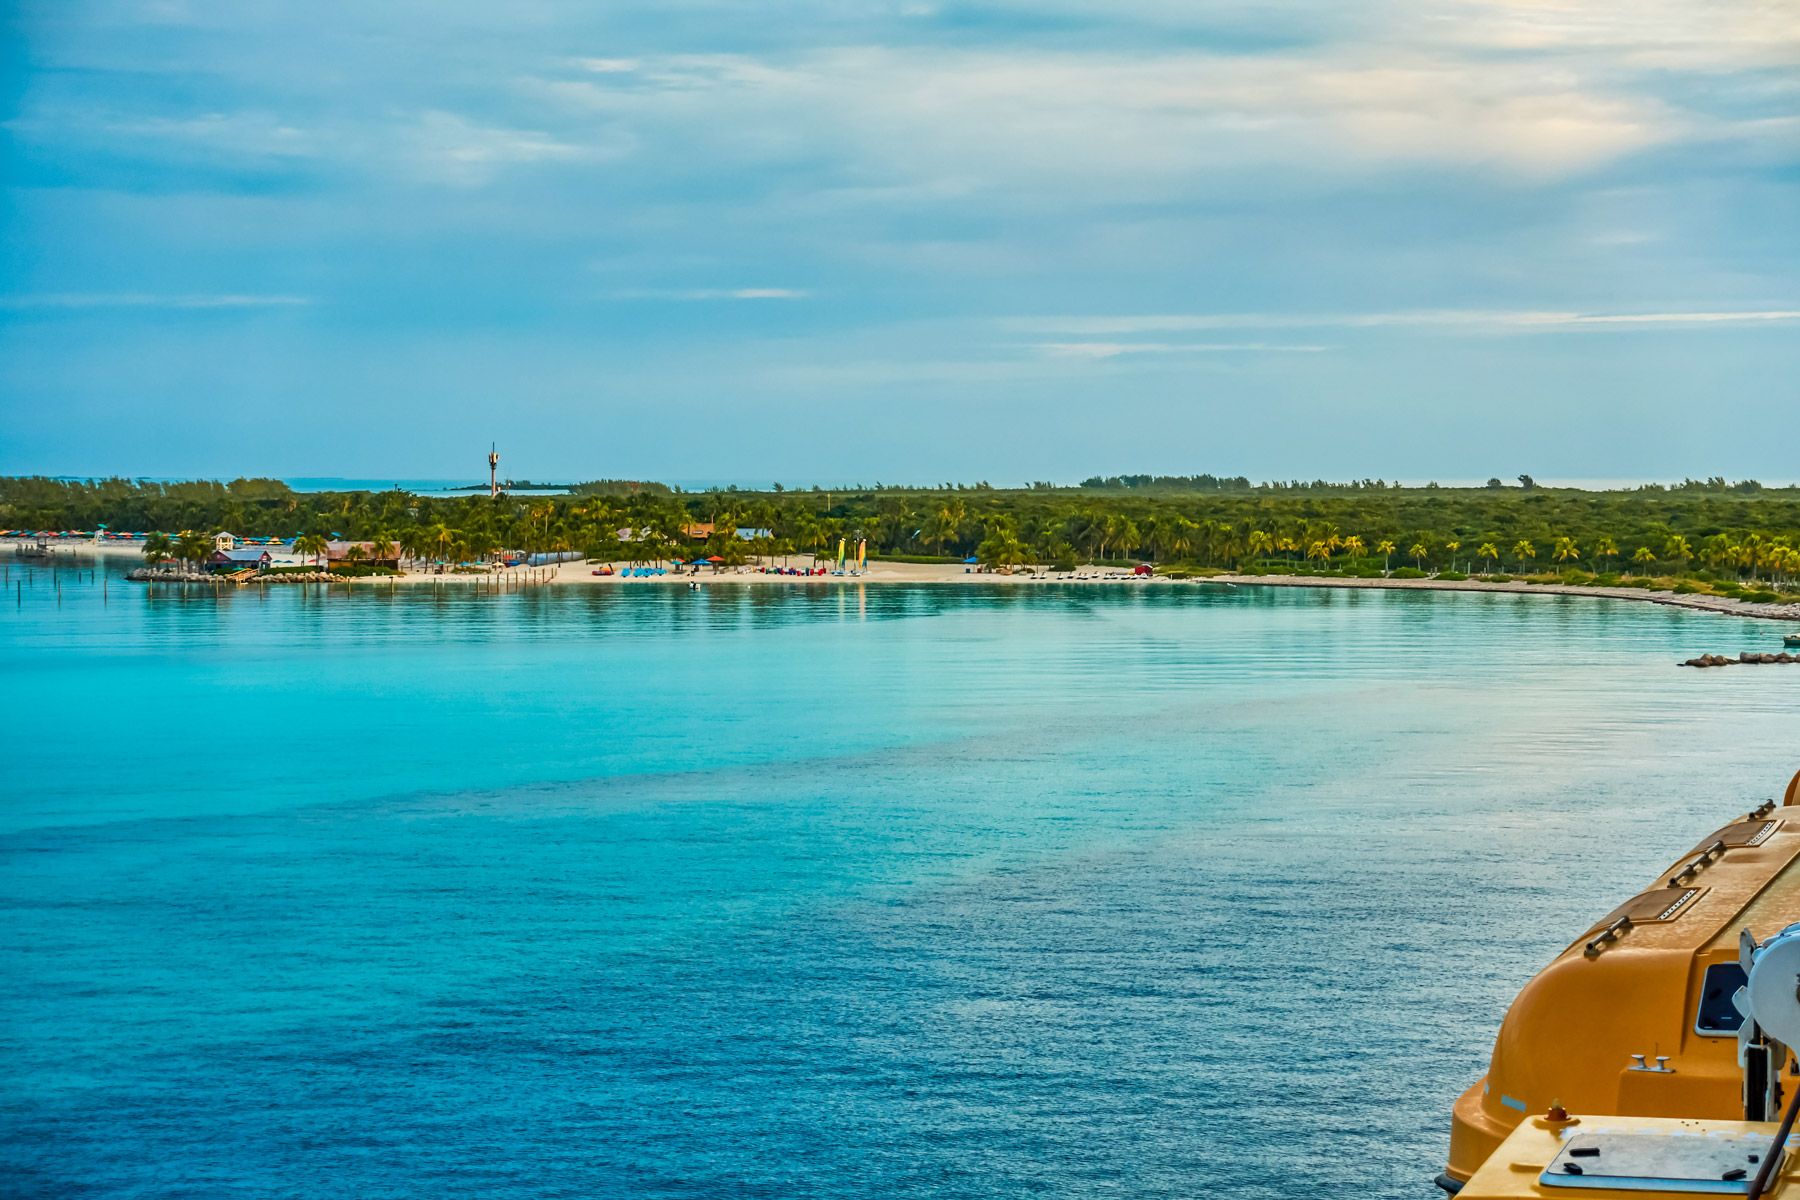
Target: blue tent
972, 559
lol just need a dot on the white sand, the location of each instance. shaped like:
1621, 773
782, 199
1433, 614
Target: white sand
581, 573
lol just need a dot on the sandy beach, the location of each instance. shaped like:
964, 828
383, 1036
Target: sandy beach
581, 574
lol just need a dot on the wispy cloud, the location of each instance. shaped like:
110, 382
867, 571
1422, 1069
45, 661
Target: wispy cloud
740, 293
1116, 349
446, 147
1471, 320
76, 300
1140, 120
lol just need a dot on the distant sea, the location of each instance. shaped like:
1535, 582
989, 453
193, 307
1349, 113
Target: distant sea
845, 891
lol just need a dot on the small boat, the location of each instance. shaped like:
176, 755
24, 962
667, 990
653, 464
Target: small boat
1637, 1018
1792, 639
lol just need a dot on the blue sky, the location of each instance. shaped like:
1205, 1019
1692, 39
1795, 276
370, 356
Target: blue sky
823, 240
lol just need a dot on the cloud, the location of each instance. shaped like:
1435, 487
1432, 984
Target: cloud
1113, 120
79, 300
446, 147
1464, 320
1098, 350
608, 66
1654, 35
741, 293
433, 145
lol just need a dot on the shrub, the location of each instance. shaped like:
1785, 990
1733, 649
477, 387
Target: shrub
1407, 573
1452, 576
1760, 596
1684, 588
1496, 579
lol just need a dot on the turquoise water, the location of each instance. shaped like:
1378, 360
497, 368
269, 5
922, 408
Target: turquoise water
832, 891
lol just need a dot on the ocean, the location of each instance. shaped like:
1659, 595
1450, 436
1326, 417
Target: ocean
831, 891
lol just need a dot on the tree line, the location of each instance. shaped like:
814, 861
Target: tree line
1727, 529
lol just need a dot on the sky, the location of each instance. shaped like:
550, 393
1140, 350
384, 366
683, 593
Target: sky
817, 240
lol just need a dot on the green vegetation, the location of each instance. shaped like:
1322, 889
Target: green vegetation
1710, 536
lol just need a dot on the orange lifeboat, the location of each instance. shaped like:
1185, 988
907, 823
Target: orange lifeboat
1635, 1018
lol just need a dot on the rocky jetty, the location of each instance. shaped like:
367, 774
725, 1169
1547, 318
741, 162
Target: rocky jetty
167, 575
1745, 658
180, 575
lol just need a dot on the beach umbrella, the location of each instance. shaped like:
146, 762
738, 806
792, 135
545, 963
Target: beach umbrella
715, 558
971, 559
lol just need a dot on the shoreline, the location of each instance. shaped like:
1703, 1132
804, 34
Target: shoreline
1720, 605
879, 571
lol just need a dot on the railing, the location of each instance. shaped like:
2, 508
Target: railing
1607, 936
1691, 868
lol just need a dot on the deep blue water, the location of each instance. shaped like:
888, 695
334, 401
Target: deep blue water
839, 891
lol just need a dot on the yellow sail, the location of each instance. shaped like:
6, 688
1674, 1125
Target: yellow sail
840, 554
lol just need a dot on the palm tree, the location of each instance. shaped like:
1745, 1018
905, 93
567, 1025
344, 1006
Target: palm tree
1001, 547
1677, 549
1489, 552
1419, 551
1319, 550
1524, 552
944, 524
1385, 548
1353, 546
1643, 555
1453, 547
1259, 543
1122, 533
381, 547
1604, 549
158, 548
1718, 550
193, 548
444, 538
1566, 549
415, 542
312, 545
1180, 538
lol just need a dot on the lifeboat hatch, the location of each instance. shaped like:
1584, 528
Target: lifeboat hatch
1658, 904
1679, 1162
1743, 833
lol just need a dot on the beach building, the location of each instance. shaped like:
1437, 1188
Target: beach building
249, 558
225, 541
339, 552
701, 531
